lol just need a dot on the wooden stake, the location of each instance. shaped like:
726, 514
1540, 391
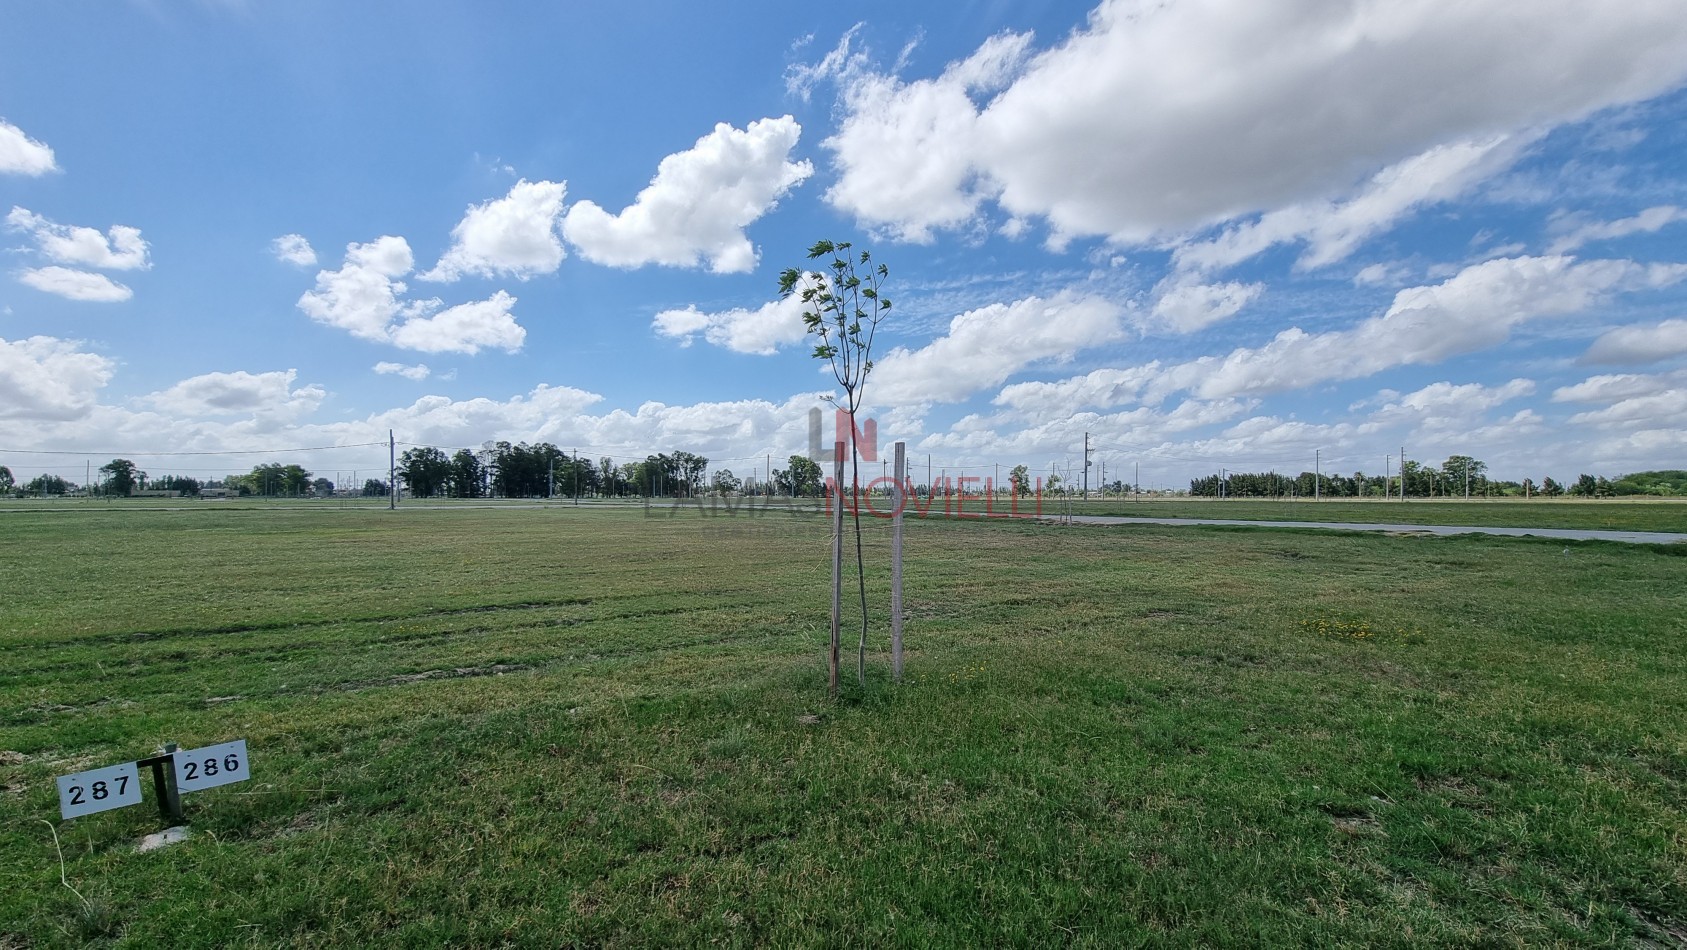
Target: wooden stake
837, 564
901, 498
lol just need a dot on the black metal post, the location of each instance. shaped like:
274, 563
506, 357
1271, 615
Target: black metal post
164, 784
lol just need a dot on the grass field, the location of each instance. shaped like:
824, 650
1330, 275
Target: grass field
549, 727
1666, 515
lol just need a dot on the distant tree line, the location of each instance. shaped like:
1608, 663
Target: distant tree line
121, 477
500, 469
1458, 477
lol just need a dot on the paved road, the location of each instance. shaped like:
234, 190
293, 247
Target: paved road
1567, 534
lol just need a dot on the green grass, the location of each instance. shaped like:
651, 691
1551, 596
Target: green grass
548, 727
1612, 514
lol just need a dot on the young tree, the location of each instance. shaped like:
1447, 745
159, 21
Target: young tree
842, 310
5, 479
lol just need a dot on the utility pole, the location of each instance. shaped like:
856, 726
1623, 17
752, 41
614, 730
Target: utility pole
1317, 474
576, 478
1387, 473
1086, 466
550, 483
1136, 484
1467, 478
1402, 473
392, 472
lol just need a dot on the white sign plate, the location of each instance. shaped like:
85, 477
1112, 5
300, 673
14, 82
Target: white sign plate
115, 786
210, 766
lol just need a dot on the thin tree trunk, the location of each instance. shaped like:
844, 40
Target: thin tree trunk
837, 567
860, 569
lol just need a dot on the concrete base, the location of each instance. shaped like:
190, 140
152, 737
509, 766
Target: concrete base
165, 838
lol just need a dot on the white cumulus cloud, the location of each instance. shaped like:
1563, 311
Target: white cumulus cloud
1333, 229
1649, 221
293, 249
697, 206
1640, 344
1470, 311
905, 151
48, 379
1372, 275
1446, 411
365, 297
270, 394
1186, 307
22, 155
513, 236
465, 328
761, 331
983, 347
1158, 119
1616, 387
75, 284
419, 371
1631, 401
1102, 388
120, 248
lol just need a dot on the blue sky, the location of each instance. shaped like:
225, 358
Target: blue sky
1210, 234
